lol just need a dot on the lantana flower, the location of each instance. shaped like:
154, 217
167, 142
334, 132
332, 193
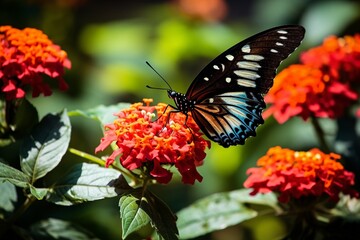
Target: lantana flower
296, 174
322, 86
25, 57
154, 145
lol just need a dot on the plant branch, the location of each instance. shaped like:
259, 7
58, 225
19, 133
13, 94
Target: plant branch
320, 134
20, 211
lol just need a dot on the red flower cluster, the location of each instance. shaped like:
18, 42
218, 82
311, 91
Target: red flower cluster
293, 174
25, 55
323, 86
150, 145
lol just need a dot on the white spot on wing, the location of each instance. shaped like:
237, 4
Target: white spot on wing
211, 100
274, 51
206, 78
234, 98
229, 57
282, 32
279, 44
222, 67
246, 83
235, 110
247, 74
216, 67
228, 80
248, 65
253, 57
283, 37
246, 48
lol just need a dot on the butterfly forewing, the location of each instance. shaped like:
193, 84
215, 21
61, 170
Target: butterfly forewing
249, 65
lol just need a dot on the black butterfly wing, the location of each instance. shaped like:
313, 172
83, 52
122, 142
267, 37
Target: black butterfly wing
249, 65
228, 92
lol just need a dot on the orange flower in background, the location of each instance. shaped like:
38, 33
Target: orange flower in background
25, 56
207, 10
294, 174
323, 86
152, 145
338, 58
305, 91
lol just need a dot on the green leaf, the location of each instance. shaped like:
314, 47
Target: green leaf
13, 175
39, 193
219, 211
17, 118
42, 151
59, 229
104, 114
348, 207
244, 196
162, 218
25, 119
85, 182
136, 212
156, 236
8, 196
5, 142
133, 217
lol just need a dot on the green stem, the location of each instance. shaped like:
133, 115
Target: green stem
21, 210
101, 162
320, 134
87, 156
13, 218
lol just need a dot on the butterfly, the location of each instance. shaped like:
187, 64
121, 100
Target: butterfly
226, 99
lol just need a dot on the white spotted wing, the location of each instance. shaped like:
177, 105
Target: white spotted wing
228, 93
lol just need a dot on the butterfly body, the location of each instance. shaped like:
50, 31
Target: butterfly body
226, 98
183, 104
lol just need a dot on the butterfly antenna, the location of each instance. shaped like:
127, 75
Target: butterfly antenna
159, 76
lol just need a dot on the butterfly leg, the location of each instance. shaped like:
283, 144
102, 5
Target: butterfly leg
175, 110
158, 117
191, 131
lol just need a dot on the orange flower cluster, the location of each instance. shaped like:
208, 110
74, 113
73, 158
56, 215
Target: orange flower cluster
322, 86
151, 145
293, 174
26, 55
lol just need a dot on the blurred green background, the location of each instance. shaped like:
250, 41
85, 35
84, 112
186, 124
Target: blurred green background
108, 43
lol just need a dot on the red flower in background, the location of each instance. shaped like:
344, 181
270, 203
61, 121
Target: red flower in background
25, 56
323, 86
149, 146
206, 10
292, 174
338, 58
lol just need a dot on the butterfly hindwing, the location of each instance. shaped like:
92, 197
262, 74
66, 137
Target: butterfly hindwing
231, 117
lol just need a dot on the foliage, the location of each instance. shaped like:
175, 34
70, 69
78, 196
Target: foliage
53, 186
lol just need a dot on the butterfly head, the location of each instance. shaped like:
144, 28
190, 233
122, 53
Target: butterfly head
172, 94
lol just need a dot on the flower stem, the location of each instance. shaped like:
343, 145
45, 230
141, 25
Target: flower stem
101, 162
87, 156
320, 134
